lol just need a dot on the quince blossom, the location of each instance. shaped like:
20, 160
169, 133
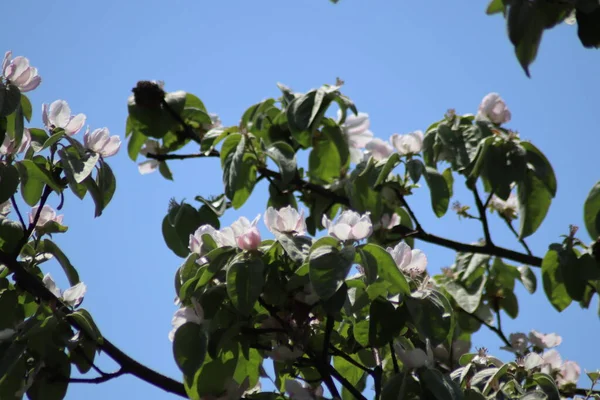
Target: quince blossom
544, 341
494, 108
46, 215
18, 72
411, 262
349, 225
151, 146
100, 141
71, 297
58, 115
410, 143
8, 146
285, 220
193, 314
378, 149
356, 130
242, 233
5, 208
509, 208
298, 392
568, 374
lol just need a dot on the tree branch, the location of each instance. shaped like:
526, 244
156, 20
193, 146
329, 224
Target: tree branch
163, 157
34, 285
482, 216
351, 360
105, 377
350, 387
14, 204
497, 331
522, 241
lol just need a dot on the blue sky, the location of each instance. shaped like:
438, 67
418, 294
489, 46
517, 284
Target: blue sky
405, 63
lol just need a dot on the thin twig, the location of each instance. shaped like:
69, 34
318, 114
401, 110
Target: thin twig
482, 216
338, 353
350, 387
16, 207
394, 359
163, 157
522, 241
497, 331
100, 379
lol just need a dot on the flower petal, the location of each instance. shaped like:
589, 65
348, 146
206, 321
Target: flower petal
59, 114
74, 295
147, 167
51, 285
75, 124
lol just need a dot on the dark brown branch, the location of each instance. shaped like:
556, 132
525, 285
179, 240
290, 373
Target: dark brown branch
488, 249
482, 216
105, 377
35, 286
351, 360
163, 157
14, 204
497, 331
394, 360
350, 387
522, 241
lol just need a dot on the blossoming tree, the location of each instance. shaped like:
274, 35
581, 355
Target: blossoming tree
340, 304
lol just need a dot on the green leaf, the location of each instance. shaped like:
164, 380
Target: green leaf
83, 354
546, 383
157, 122
541, 167
107, 184
534, 202
528, 278
172, 239
467, 298
10, 99
386, 267
389, 166
164, 170
245, 280
415, 168
136, 142
384, 325
495, 7
510, 304
59, 134
554, 286
335, 134
239, 169
591, 212
33, 178
48, 246
38, 138
440, 387
525, 28
328, 267
440, 193
26, 107
86, 323
9, 178
11, 234
78, 168
588, 27
189, 348
46, 386
348, 370
96, 194
285, 157
324, 161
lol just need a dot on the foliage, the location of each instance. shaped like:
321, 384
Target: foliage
344, 310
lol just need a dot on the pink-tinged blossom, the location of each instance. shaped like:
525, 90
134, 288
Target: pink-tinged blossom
151, 146
544, 341
193, 314
46, 215
508, 208
196, 241
551, 361
18, 72
285, 353
518, 342
8, 146
71, 297
410, 143
568, 374
378, 149
296, 391
356, 130
246, 234
349, 225
286, 220
388, 222
99, 141
411, 262
494, 108
58, 115
5, 208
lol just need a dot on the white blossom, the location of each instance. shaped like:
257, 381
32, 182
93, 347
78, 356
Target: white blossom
46, 215
71, 297
349, 225
8, 145
193, 314
356, 130
58, 115
18, 72
494, 108
411, 262
100, 141
285, 220
410, 143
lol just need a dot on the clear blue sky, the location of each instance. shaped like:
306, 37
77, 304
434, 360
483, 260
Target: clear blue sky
405, 63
